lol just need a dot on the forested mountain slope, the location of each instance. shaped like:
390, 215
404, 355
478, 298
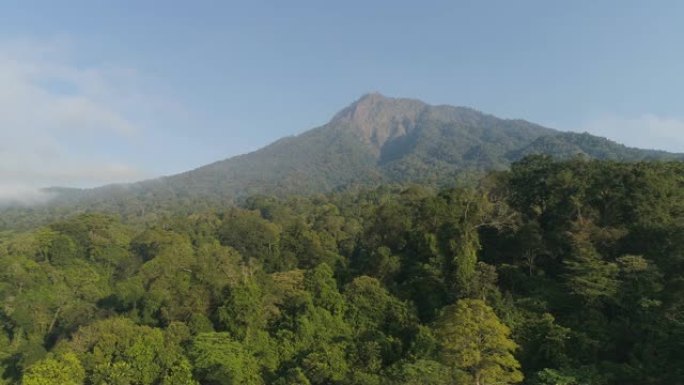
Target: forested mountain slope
376, 140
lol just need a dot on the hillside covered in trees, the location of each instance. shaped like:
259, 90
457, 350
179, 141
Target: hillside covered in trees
375, 141
550, 273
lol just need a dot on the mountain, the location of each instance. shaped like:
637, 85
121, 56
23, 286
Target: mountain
570, 144
375, 140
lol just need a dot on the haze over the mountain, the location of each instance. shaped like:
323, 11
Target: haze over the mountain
376, 139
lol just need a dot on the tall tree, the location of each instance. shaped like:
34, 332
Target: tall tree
62, 370
476, 342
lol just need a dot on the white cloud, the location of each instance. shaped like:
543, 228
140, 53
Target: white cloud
13, 194
61, 122
645, 131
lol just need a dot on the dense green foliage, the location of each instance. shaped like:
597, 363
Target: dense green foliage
568, 145
550, 273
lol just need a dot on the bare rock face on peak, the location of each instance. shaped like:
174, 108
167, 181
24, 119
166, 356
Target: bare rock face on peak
378, 119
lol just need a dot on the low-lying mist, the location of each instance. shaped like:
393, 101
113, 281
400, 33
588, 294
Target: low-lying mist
22, 195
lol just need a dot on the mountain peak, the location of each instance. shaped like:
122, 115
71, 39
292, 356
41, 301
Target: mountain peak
377, 118
372, 98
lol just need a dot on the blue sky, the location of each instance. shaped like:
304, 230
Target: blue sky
93, 91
